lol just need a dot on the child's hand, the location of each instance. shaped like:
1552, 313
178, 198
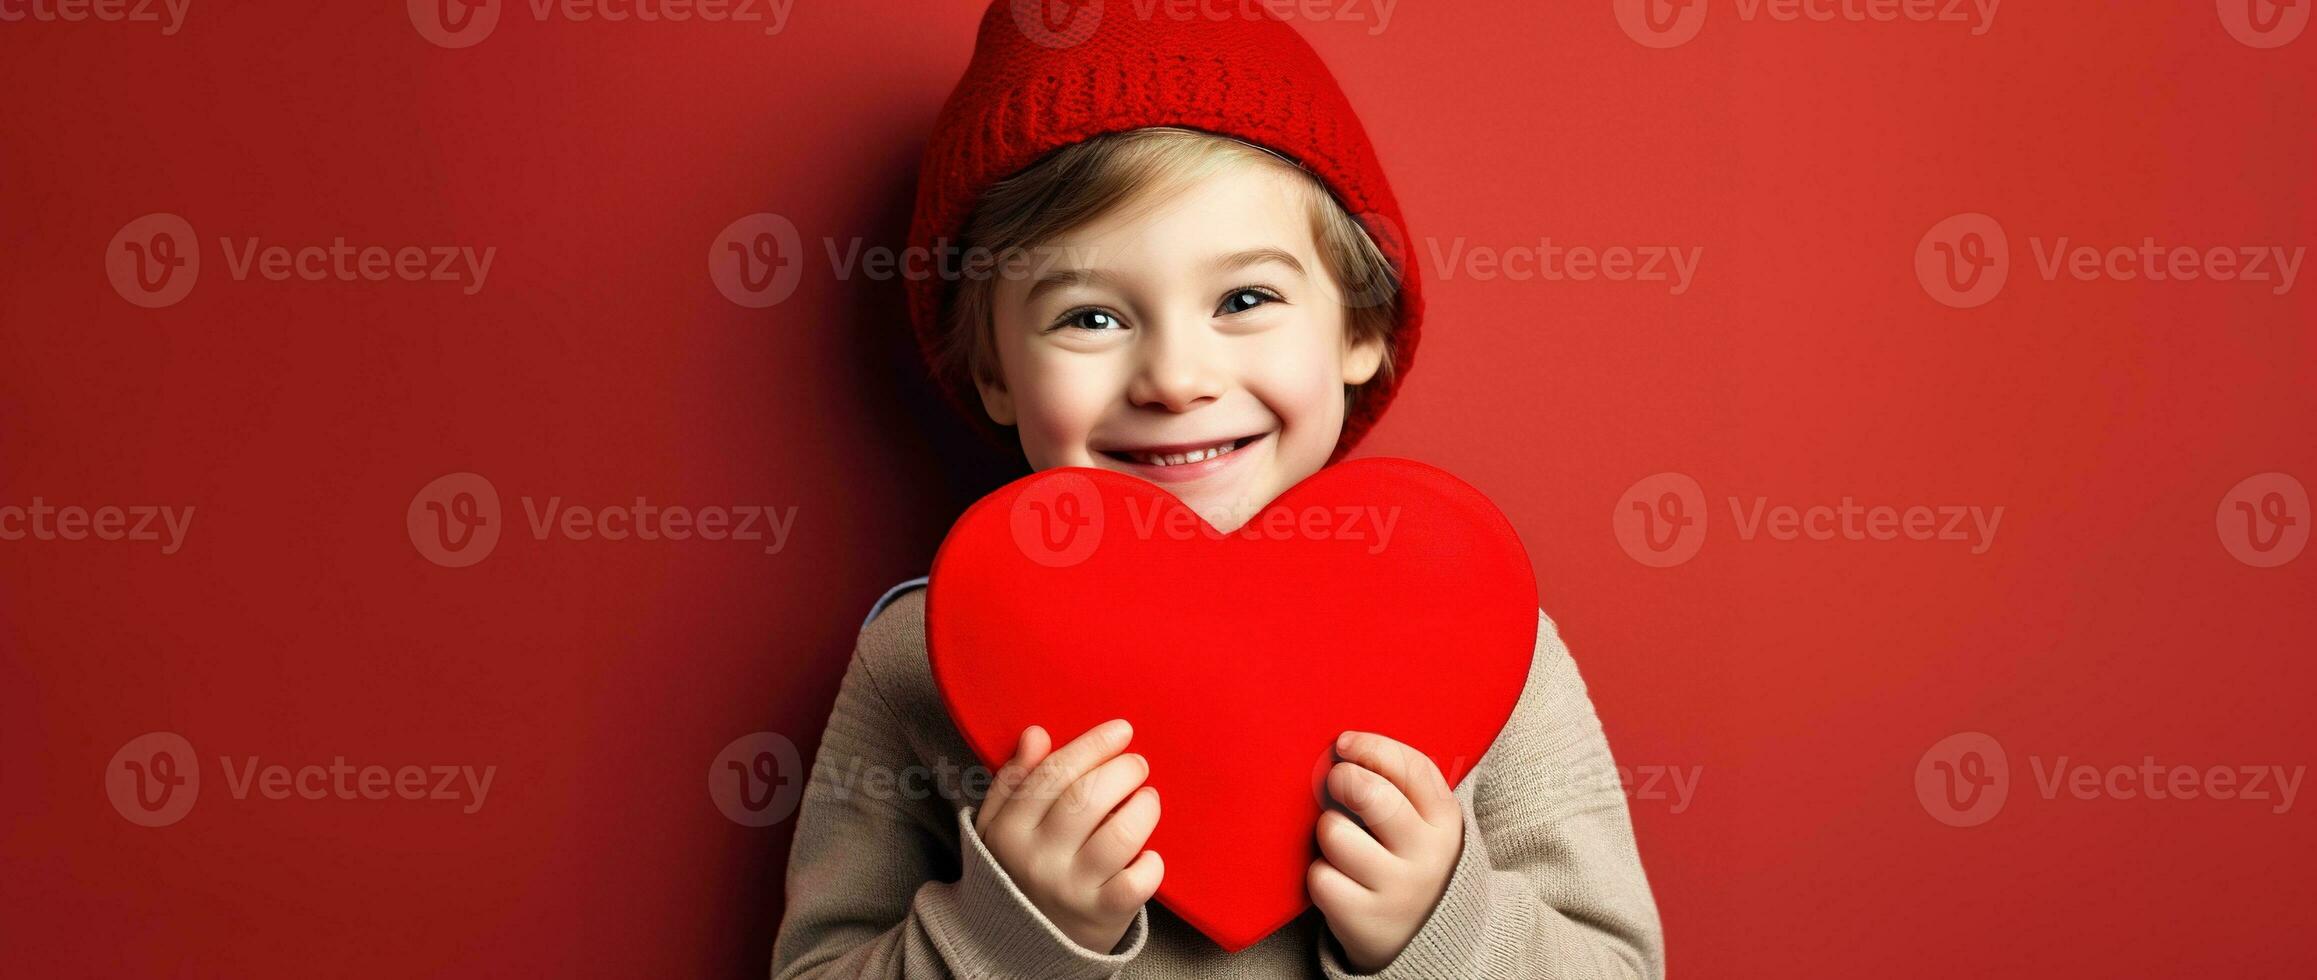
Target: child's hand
1377, 883
1044, 820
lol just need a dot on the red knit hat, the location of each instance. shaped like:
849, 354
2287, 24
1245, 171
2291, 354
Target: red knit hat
1039, 82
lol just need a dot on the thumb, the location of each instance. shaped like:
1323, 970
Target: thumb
1029, 749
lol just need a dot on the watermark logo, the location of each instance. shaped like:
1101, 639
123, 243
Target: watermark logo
944, 779
454, 23
757, 780
1661, 520
1058, 23
43, 521
1057, 520
1963, 260
1673, 786
1377, 14
1669, 23
154, 261
1963, 780
2264, 23
454, 520
154, 779
2264, 519
465, 23
1674, 265
340, 780
1367, 524
1661, 23
170, 14
757, 260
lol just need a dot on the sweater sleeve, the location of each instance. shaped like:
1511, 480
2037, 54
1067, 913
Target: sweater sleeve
889, 882
1549, 883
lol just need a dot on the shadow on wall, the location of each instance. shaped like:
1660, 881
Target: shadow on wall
895, 390
937, 464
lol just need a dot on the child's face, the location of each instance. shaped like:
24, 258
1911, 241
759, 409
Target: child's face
1195, 340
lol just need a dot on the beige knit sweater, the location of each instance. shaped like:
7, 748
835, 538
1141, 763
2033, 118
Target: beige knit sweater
887, 877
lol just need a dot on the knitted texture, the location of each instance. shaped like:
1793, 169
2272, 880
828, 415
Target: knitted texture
889, 880
1040, 81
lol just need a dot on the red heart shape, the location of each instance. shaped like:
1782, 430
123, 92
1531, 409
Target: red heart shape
1379, 595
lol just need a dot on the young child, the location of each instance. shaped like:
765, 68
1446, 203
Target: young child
1188, 297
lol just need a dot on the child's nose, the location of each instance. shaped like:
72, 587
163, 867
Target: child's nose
1180, 370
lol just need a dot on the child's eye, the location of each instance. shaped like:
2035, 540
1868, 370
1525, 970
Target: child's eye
1242, 300
1088, 318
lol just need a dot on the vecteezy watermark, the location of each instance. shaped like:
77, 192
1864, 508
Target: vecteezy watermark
1376, 14
756, 780
1670, 23
43, 521
1965, 779
1675, 786
170, 14
1365, 523
758, 260
155, 260
944, 779
1057, 23
2264, 519
2264, 23
1852, 521
465, 23
1661, 521
155, 778
1674, 265
455, 521
1059, 520
462, 784
1069, 23
1966, 259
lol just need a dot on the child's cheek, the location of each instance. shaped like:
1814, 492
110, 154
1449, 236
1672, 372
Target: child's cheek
1060, 401
1299, 375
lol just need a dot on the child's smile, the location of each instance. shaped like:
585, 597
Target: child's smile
1181, 462
1192, 337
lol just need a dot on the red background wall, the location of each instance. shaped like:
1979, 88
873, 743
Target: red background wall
1801, 681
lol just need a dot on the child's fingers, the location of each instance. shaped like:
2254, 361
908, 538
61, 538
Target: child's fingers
1351, 849
1027, 805
1029, 749
1413, 772
1132, 885
1387, 814
1122, 836
1332, 890
1087, 802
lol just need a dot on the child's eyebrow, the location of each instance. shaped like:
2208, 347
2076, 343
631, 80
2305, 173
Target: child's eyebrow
1253, 256
1060, 278
1068, 277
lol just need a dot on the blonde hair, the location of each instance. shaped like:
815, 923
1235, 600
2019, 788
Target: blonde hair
1083, 181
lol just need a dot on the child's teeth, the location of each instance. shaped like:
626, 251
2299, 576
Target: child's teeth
1194, 456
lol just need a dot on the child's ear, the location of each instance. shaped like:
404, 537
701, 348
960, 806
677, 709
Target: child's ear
996, 400
1362, 359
